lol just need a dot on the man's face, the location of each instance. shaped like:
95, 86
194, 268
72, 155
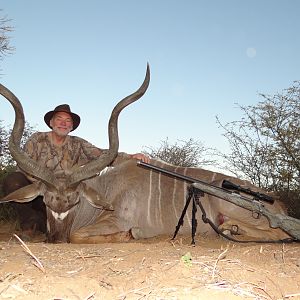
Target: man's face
61, 123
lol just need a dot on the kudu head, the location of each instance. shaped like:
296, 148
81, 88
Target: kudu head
62, 192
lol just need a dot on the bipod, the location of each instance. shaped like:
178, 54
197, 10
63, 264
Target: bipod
194, 194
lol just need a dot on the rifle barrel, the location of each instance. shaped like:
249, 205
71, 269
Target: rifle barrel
170, 173
226, 184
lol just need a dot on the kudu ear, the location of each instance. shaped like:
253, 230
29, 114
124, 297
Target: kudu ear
93, 197
25, 194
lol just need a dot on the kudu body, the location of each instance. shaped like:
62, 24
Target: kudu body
125, 201
147, 203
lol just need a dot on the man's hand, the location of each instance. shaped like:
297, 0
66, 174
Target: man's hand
140, 156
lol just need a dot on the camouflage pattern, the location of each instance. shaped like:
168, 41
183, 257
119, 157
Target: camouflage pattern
73, 152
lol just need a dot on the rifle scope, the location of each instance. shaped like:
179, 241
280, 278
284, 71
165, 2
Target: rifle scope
259, 196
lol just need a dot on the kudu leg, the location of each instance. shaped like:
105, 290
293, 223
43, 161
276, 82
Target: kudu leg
105, 230
83, 238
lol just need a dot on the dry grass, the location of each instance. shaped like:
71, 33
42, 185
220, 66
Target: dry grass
36, 261
154, 270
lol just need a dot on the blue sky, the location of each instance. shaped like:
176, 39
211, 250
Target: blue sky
205, 56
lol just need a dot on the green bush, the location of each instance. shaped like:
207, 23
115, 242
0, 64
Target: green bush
7, 212
292, 201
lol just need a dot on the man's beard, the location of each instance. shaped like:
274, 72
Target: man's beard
61, 132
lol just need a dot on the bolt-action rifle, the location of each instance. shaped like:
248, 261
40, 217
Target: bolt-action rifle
197, 187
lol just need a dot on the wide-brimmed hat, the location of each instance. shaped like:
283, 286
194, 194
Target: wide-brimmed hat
62, 108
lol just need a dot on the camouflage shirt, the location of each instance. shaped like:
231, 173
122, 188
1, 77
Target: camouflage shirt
74, 151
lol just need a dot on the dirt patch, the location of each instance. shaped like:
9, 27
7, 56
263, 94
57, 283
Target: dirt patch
150, 269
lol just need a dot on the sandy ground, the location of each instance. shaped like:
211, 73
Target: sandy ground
150, 269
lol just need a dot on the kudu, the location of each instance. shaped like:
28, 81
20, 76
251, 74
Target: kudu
125, 201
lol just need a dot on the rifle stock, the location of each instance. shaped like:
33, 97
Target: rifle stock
286, 223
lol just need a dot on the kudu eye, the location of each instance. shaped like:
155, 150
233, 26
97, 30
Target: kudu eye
73, 196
